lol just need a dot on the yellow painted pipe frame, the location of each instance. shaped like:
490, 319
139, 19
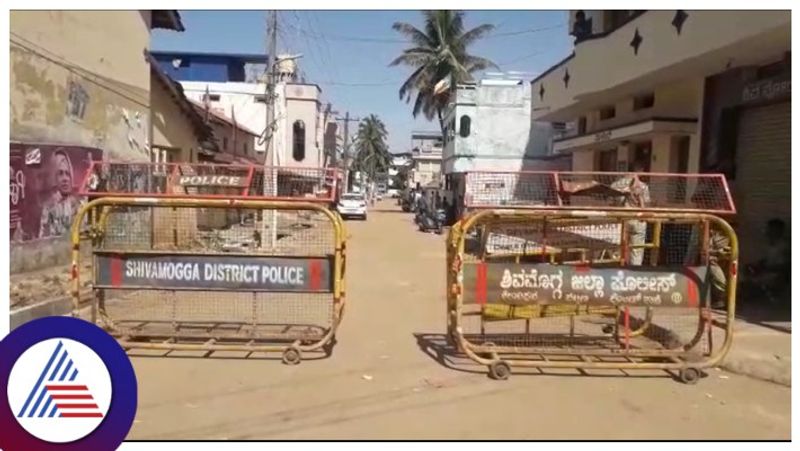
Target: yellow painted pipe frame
106, 204
456, 240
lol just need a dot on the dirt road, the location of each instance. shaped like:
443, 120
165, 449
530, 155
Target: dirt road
380, 384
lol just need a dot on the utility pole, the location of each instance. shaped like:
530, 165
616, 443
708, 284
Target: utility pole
346, 148
269, 97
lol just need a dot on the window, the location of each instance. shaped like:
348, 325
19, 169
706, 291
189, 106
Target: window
77, 100
463, 127
224, 143
260, 98
606, 160
211, 97
644, 101
582, 125
642, 153
244, 148
299, 141
607, 112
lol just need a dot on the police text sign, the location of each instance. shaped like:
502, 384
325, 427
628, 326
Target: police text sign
527, 284
214, 272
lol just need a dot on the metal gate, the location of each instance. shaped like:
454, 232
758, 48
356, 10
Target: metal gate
572, 277
193, 267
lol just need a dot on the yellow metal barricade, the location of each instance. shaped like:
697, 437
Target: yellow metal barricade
168, 273
600, 287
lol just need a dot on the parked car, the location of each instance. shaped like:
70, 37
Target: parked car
394, 193
352, 205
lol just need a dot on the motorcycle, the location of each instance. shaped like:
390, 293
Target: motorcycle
429, 221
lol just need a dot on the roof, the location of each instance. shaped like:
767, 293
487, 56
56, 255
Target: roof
168, 19
201, 110
246, 57
203, 131
553, 67
436, 134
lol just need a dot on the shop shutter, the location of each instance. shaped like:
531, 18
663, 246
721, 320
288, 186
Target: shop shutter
763, 174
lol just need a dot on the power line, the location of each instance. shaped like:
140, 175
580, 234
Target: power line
524, 57
118, 87
334, 37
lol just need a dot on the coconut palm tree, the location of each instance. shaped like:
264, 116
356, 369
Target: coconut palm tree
372, 153
438, 55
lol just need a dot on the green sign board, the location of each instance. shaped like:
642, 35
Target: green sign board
542, 284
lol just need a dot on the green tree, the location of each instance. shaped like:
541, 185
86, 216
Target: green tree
372, 153
438, 53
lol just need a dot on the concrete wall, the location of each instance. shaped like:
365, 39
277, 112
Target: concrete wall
239, 97
171, 126
682, 99
80, 77
501, 132
300, 102
707, 43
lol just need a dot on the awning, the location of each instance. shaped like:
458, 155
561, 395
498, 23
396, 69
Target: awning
682, 126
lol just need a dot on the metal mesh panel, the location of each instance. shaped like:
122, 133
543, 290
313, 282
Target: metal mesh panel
313, 184
228, 314
606, 190
596, 242
195, 180
498, 189
218, 230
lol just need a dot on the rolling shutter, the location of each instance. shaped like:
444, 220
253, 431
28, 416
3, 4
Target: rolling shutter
763, 174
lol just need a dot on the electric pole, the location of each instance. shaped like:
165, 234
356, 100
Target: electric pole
346, 147
269, 97
269, 94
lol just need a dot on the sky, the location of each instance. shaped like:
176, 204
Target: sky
347, 53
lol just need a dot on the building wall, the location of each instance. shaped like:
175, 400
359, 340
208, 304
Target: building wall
243, 145
171, 127
679, 100
500, 130
427, 144
81, 78
246, 99
301, 103
78, 80
708, 41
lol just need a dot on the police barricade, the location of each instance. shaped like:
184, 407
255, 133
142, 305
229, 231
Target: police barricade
201, 259
576, 276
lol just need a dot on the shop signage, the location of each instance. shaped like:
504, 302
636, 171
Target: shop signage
602, 136
767, 90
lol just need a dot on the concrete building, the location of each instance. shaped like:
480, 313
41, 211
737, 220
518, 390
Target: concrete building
400, 162
489, 128
80, 86
180, 133
682, 91
426, 157
233, 84
300, 124
234, 141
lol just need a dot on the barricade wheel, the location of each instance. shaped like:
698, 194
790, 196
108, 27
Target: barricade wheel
689, 375
608, 328
291, 356
499, 371
328, 347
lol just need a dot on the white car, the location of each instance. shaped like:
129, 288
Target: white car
352, 204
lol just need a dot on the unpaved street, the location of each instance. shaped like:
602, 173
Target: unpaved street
380, 383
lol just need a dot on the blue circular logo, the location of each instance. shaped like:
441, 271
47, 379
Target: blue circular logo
69, 386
